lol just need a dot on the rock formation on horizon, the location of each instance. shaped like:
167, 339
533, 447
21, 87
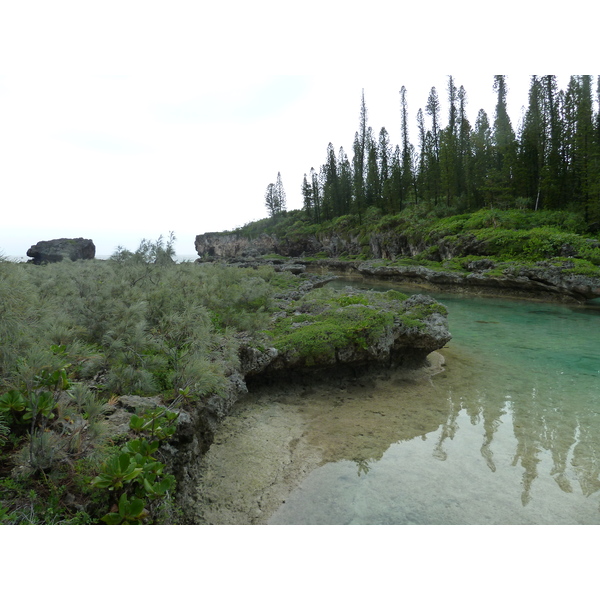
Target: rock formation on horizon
60, 249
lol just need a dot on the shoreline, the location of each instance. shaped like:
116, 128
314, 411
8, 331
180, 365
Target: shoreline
278, 434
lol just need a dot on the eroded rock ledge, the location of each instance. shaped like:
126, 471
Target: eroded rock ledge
555, 280
542, 280
322, 333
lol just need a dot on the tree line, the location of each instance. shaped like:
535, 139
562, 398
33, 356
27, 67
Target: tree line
552, 161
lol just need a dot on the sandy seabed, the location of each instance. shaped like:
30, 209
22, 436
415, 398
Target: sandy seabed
278, 434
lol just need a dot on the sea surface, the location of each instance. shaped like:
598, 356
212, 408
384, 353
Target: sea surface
509, 433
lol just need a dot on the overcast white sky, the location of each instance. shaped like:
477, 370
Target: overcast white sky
123, 120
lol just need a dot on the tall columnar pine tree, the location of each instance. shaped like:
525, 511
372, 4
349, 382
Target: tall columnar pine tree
532, 151
331, 187
384, 154
316, 196
585, 152
464, 146
344, 170
275, 199
449, 146
360, 156
271, 200
503, 179
395, 181
421, 176
407, 178
434, 175
280, 192
553, 162
551, 188
482, 161
372, 182
307, 199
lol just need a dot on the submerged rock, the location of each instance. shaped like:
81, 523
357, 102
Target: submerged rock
60, 249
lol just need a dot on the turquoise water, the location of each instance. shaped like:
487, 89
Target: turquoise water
509, 433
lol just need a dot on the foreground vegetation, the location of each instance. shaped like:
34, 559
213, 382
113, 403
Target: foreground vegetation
76, 335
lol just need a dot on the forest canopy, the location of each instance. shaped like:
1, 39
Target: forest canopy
551, 161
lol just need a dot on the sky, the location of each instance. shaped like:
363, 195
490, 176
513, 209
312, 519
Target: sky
128, 120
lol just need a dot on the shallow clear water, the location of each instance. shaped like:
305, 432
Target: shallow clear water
515, 435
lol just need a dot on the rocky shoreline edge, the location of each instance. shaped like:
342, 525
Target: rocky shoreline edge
376, 332
543, 281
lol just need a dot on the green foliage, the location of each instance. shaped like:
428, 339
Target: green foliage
159, 424
137, 323
136, 471
4, 430
395, 295
131, 512
117, 471
12, 406
325, 322
348, 300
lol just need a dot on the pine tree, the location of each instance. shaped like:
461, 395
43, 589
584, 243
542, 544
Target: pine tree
372, 183
359, 159
307, 196
449, 146
331, 194
421, 177
275, 200
504, 145
532, 152
395, 181
345, 182
585, 150
434, 175
464, 145
385, 184
271, 200
569, 106
316, 195
407, 174
481, 163
552, 171
280, 192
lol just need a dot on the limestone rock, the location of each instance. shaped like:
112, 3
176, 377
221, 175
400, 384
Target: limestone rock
64, 248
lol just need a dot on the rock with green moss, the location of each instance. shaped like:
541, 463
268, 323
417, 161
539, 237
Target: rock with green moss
328, 328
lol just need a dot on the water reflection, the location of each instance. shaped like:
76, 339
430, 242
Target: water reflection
507, 434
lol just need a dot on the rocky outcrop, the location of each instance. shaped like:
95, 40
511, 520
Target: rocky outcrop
386, 245
542, 280
231, 245
416, 326
226, 246
359, 331
61, 249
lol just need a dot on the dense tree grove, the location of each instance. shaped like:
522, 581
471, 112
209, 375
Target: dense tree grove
552, 160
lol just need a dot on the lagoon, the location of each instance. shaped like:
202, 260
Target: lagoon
507, 433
